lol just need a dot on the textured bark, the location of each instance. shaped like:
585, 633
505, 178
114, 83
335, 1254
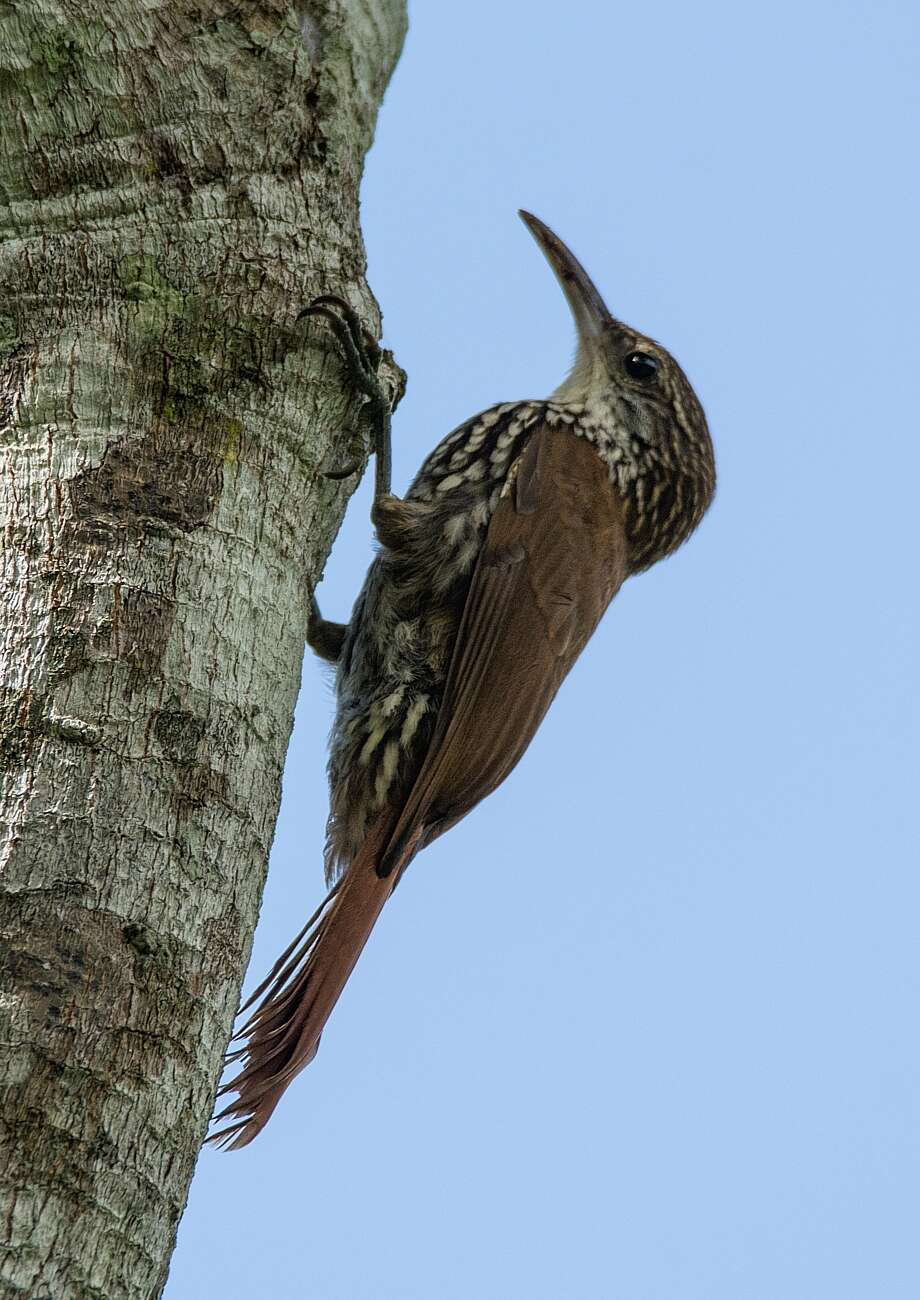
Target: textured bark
176, 180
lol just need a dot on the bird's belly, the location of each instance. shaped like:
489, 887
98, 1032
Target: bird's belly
391, 676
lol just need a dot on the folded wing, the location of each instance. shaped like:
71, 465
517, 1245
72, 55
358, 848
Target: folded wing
554, 557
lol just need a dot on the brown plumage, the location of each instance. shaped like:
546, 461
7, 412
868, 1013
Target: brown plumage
494, 571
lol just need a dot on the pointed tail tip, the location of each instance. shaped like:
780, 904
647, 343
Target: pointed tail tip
234, 1137
248, 1117
281, 1037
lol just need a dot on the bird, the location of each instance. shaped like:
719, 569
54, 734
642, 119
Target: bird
492, 573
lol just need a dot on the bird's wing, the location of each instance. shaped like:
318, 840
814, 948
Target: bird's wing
554, 556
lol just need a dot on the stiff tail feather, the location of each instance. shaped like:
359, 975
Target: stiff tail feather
298, 995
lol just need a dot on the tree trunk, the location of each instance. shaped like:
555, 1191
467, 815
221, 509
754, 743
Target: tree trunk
177, 180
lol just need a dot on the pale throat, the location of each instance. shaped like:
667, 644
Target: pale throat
587, 378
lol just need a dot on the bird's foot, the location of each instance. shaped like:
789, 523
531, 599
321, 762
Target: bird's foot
362, 356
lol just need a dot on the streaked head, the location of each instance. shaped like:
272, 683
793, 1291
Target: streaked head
632, 384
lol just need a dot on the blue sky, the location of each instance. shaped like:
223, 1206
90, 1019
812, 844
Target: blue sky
645, 1024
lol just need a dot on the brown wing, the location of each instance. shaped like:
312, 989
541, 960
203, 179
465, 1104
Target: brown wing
554, 557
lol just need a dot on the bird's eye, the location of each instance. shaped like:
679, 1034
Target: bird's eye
641, 365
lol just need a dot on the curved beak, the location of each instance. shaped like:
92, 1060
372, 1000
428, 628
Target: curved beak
588, 307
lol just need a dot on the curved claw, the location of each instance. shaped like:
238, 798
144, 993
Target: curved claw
354, 349
362, 356
365, 344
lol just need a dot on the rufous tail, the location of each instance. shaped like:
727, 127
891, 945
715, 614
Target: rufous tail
283, 1033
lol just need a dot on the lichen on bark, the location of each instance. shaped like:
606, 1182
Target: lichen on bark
176, 181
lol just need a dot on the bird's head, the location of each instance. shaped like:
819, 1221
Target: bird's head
643, 406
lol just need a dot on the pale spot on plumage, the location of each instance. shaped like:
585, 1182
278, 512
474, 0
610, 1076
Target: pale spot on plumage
454, 529
460, 457
475, 471
390, 703
386, 771
450, 482
466, 556
373, 740
413, 718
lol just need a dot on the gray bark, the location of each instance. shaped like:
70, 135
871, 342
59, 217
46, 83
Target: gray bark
176, 181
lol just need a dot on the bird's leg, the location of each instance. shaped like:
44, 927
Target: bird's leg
362, 358
324, 637
395, 520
